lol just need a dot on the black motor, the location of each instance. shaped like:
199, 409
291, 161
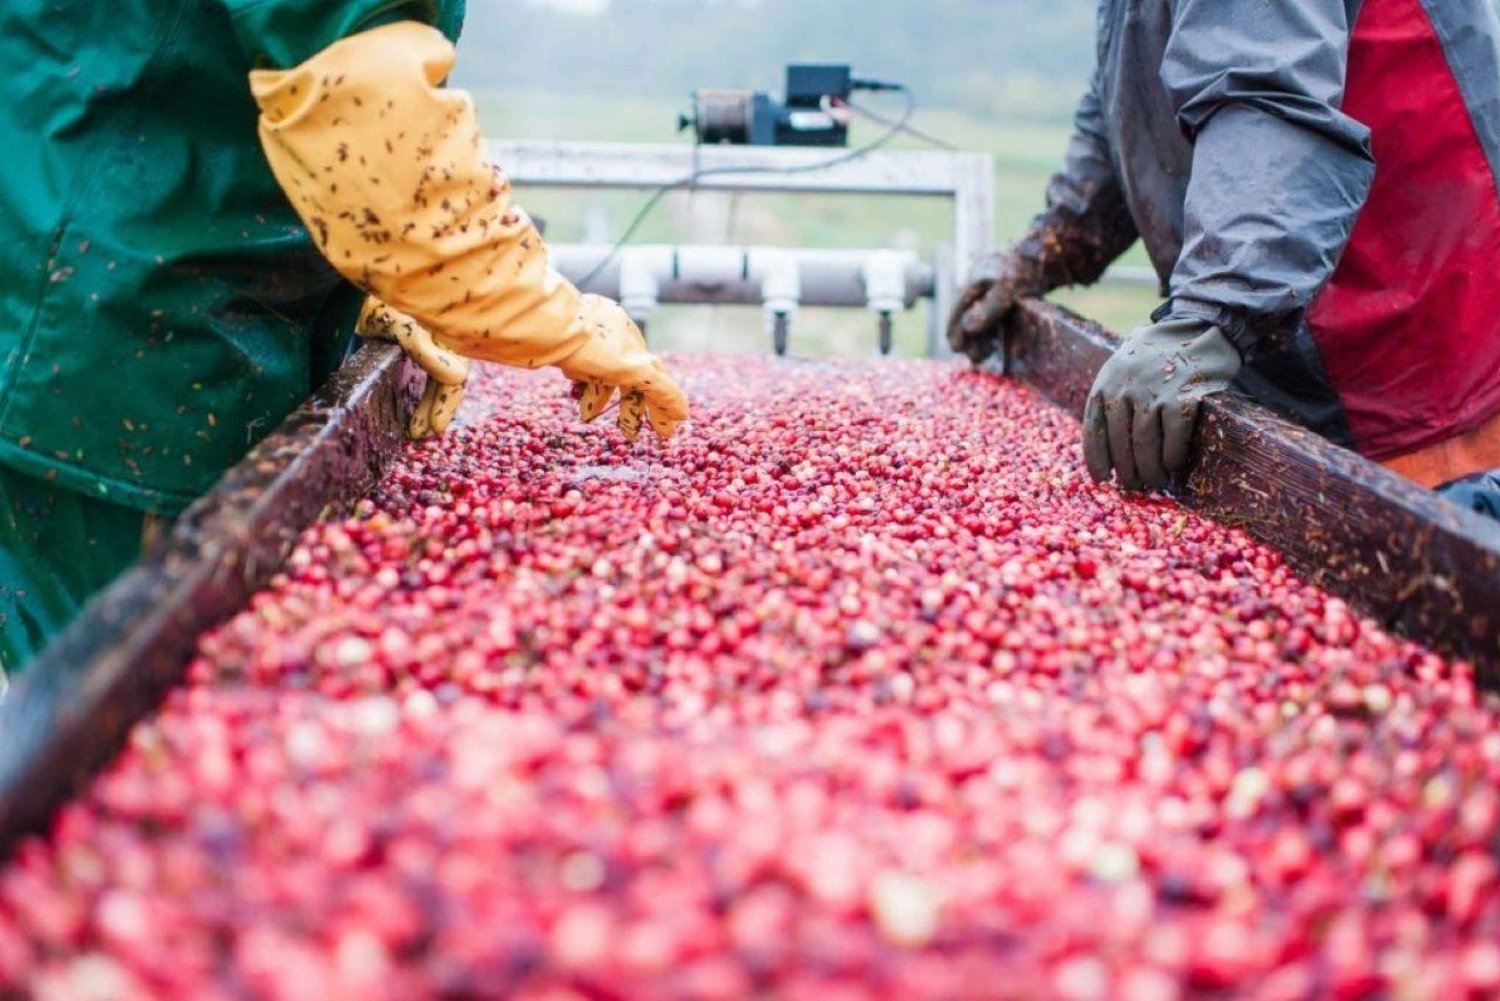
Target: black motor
813, 112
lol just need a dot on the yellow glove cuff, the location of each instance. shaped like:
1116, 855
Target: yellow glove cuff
388, 170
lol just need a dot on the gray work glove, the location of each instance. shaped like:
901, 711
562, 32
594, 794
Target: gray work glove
1141, 412
1002, 281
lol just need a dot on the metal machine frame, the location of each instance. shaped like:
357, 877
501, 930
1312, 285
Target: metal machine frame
965, 179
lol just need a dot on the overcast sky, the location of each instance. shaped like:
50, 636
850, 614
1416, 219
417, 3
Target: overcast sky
1023, 59
580, 7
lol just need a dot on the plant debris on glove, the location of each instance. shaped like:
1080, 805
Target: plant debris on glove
447, 373
387, 168
646, 390
1144, 404
1002, 281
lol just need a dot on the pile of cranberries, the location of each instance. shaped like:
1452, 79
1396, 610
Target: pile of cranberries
859, 689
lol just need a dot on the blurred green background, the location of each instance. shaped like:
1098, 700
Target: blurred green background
997, 77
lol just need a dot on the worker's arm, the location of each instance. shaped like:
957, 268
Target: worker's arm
1279, 171
388, 170
1278, 178
1087, 224
1085, 227
281, 34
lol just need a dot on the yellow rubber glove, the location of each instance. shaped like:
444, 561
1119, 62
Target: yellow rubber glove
388, 171
447, 373
614, 356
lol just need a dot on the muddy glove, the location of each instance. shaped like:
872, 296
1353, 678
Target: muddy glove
1002, 281
1143, 406
388, 170
447, 373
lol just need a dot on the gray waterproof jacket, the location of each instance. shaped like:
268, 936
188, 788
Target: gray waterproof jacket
1316, 177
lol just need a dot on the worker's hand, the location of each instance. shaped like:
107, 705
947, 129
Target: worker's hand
1002, 281
387, 167
615, 358
1141, 412
447, 373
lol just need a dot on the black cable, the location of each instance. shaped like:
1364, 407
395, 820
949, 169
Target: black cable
869, 83
698, 174
910, 130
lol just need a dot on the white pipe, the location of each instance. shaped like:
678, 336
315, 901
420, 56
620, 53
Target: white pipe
885, 281
780, 283
709, 267
640, 286
735, 275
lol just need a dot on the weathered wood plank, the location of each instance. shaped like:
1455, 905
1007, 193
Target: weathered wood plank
1422, 566
71, 710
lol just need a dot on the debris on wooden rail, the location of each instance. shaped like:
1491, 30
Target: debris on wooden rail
71, 710
1420, 565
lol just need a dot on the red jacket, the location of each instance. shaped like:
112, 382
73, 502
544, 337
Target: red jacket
1319, 178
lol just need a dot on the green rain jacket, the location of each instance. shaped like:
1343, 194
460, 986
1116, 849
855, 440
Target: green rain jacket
161, 306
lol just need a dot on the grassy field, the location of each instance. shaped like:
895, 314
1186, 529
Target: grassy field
1025, 156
